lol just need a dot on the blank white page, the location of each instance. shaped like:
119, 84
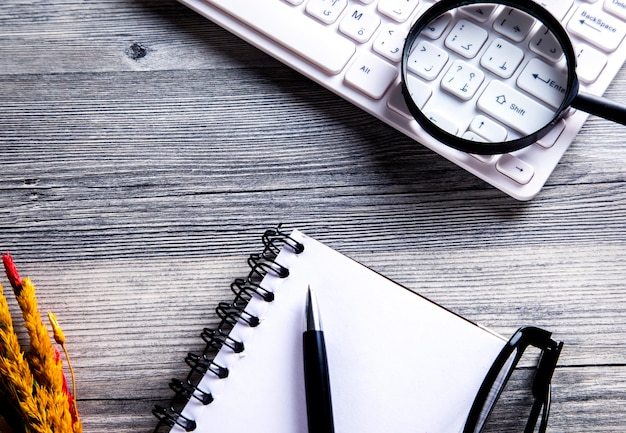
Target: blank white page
398, 362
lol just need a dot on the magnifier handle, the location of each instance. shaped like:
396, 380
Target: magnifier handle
600, 107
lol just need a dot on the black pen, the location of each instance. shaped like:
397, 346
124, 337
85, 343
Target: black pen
316, 382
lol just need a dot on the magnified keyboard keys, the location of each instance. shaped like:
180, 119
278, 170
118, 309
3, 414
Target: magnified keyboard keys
443, 122
462, 80
427, 60
480, 13
514, 24
435, 29
546, 45
488, 129
302, 35
466, 38
558, 8
420, 92
502, 58
513, 108
544, 81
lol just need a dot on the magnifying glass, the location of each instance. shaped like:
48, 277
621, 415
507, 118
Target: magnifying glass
490, 77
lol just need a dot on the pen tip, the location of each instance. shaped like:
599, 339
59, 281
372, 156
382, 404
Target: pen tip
312, 312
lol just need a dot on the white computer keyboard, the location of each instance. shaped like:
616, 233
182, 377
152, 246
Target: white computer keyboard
354, 47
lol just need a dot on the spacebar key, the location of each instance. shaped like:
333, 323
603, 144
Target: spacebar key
293, 30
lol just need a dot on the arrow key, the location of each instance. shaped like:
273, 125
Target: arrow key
488, 129
513, 23
513, 167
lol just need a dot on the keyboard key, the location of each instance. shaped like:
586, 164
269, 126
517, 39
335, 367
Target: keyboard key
466, 38
514, 109
390, 43
550, 138
546, 45
396, 102
371, 75
398, 10
590, 63
513, 167
514, 24
297, 32
502, 58
442, 122
327, 11
360, 25
420, 92
558, 8
427, 60
480, 13
483, 158
616, 7
472, 136
599, 28
488, 129
462, 80
436, 28
544, 81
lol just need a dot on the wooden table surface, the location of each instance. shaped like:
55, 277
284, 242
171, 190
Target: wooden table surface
144, 150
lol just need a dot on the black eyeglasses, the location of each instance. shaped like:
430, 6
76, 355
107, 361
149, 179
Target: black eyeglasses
521, 408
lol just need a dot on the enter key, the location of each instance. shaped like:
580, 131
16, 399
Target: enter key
546, 82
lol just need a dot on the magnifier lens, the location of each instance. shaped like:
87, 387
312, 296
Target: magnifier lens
485, 78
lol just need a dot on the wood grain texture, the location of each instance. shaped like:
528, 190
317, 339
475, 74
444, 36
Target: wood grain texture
144, 150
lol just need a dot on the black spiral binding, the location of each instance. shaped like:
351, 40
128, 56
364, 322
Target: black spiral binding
230, 313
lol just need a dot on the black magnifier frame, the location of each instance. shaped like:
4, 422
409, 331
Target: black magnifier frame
531, 8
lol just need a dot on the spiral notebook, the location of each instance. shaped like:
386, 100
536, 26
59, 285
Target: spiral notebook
398, 362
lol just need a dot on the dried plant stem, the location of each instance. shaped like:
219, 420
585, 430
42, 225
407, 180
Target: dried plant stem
45, 365
35, 384
16, 375
69, 365
59, 337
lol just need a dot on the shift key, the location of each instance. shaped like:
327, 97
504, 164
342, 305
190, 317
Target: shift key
514, 109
